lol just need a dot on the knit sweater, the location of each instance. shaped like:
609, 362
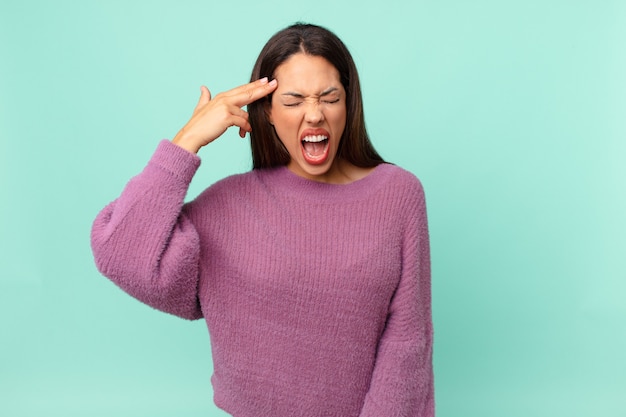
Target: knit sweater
317, 296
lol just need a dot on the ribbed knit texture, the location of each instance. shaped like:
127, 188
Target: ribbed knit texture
317, 296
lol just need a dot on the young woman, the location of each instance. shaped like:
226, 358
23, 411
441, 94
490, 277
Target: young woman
312, 270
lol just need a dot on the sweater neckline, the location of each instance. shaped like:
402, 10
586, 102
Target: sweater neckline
283, 181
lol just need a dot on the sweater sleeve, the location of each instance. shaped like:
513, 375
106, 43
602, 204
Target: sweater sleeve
144, 242
402, 382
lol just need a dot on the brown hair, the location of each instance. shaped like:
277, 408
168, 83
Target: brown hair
267, 149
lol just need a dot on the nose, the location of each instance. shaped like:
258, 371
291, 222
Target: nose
314, 114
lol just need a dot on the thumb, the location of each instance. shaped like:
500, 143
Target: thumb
205, 97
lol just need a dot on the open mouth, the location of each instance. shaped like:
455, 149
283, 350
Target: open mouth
315, 148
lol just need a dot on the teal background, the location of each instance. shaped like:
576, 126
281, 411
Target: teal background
511, 112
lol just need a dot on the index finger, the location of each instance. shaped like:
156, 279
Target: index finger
248, 93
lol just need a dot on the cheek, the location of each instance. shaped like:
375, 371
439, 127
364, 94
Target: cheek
283, 122
338, 118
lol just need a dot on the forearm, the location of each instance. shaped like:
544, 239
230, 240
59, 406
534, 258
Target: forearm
402, 383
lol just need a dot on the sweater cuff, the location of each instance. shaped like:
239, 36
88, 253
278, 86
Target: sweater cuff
175, 160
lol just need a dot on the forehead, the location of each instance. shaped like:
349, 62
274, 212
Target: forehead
307, 74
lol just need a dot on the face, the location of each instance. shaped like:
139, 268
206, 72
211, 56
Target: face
308, 111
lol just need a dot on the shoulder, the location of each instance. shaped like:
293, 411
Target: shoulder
233, 182
233, 185
404, 193
399, 179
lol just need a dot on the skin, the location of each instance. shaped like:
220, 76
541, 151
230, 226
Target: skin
308, 97
212, 116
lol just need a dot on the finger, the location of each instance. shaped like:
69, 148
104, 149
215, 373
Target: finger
239, 112
242, 123
251, 92
244, 87
205, 97
236, 112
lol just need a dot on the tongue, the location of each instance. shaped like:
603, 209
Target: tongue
314, 148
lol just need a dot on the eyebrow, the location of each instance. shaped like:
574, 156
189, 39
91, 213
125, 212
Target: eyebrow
322, 94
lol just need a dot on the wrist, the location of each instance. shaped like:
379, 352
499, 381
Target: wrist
181, 140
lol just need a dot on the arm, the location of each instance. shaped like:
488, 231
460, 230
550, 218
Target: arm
145, 244
143, 241
402, 381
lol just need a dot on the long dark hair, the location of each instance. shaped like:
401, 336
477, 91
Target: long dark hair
267, 149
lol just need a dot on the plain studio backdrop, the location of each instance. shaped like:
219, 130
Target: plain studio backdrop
512, 113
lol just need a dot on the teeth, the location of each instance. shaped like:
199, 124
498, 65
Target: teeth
316, 138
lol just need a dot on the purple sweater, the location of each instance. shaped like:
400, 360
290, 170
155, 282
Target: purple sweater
317, 296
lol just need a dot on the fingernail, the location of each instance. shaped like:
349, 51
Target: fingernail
273, 82
264, 80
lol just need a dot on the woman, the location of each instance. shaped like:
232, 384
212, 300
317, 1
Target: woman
312, 271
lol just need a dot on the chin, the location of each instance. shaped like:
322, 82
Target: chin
319, 172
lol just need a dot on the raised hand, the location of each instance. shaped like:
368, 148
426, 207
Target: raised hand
212, 116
